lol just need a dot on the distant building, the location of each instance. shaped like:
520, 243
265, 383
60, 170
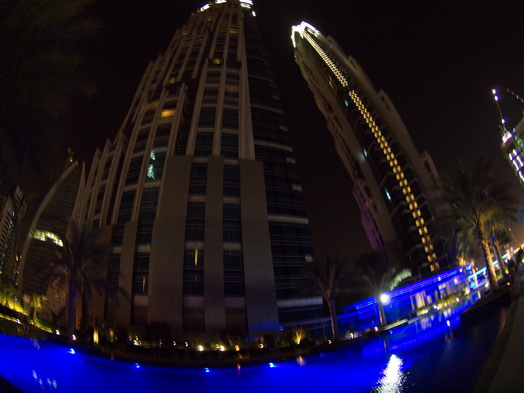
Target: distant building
48, 231
199, 192
512, 143
13, 207
392, 181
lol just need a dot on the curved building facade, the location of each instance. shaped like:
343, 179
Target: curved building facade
199, 192
391, 179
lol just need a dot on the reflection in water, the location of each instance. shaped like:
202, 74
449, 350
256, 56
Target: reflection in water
392, 377
428, 354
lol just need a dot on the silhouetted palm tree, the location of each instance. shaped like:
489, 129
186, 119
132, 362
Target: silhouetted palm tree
329, 277
81, 266
471, 203
39, 72
381, 274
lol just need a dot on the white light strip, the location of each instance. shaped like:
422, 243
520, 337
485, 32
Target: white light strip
305, 30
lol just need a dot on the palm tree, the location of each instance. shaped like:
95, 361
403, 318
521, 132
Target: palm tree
38, 304
9, 293
472, 203
40, 70
81, 266
329, 277
381, 274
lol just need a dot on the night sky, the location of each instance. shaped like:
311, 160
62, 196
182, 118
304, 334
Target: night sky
437, 60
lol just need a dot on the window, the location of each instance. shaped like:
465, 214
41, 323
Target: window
195, 221
230, 118
162, 135
147, 215
231, 181
134, 170
229, 146
207, 117
233, 274
141, 274
198, 179
204, 144
194, 272
141, 140
155, 167
231, 222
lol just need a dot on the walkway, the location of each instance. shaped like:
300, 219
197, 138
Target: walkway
504, 369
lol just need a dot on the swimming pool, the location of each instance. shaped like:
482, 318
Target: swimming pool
416, 357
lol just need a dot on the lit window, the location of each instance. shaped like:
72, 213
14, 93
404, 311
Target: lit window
47, 236
167, 113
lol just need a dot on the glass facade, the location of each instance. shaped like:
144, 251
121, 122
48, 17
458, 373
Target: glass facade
201, 192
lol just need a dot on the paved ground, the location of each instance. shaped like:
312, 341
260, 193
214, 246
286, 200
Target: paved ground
503, 372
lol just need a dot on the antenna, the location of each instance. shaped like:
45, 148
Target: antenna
502, 120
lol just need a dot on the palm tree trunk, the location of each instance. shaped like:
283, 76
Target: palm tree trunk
498, 253
484, 243
381, 313
71, 297
333, 316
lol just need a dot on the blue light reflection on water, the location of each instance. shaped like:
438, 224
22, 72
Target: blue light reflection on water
378, 364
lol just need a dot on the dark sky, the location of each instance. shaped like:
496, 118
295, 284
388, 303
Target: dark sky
437, 60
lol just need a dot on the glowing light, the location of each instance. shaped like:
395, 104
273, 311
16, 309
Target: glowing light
206, 370
47, 236
392, 377
137, 365
72, 351
246, 3
200, 348
384, 298
272, 365
167, 113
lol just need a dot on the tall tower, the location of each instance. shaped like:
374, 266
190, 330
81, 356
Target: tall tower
199, 192
391, 179
512, 144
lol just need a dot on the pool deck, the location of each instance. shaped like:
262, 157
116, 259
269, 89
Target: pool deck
503, 371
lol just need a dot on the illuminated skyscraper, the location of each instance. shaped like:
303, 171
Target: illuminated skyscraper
199, 192
391, 179
512, 143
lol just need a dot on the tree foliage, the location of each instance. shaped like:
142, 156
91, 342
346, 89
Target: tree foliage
329, 277
80, 266
471, 205
381, 274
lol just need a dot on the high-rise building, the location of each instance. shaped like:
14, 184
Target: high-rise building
48, 230
512, 144
13, 207
199, 192
391, 179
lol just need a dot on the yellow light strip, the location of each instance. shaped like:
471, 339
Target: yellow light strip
399, 174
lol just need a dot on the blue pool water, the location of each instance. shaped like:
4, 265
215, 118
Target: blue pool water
432, 355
